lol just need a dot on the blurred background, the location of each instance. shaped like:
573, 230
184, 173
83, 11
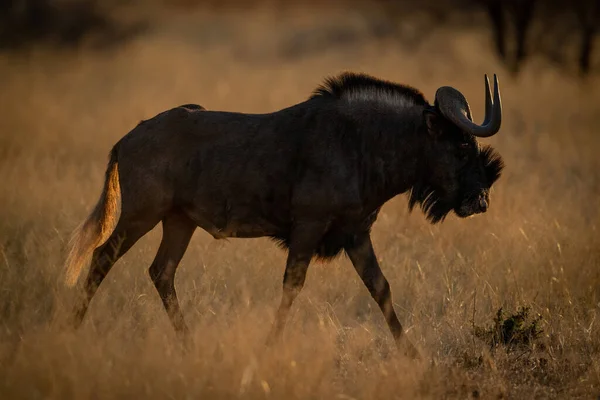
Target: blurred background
77, 75
562, 33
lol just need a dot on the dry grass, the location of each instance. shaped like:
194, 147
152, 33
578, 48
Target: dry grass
538, 245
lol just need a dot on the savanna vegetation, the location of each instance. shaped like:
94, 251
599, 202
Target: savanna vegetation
501, 305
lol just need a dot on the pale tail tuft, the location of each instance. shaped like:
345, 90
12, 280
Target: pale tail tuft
98, 226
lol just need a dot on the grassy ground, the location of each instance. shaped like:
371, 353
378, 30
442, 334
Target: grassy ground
538, 245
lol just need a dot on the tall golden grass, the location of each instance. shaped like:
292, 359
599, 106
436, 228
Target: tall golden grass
537, 246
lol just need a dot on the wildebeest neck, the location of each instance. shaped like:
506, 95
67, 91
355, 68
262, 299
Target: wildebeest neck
382, 139
389, 149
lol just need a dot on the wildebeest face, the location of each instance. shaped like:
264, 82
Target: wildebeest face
476, 178
458, 172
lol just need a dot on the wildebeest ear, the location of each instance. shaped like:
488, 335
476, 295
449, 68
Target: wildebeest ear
433, 121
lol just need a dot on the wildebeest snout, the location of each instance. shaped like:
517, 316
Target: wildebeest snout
483, 202
477, 203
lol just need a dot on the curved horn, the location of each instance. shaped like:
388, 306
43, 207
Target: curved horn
454, 106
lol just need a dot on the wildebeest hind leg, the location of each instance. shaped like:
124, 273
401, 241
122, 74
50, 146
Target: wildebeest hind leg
361, 253
303, 241
177, 232
125, 235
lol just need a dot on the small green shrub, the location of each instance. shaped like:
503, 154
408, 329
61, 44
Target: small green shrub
514, 330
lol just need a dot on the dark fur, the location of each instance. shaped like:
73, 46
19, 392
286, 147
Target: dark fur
370, 94
312, 176
435, 208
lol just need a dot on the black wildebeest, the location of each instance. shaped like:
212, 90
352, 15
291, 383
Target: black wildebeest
312, 176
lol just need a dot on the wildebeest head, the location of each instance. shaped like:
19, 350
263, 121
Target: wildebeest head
457, 173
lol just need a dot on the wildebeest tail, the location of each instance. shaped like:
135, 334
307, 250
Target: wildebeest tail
98, 226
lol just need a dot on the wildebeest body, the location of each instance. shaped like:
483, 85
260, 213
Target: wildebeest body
312, 176
256, 181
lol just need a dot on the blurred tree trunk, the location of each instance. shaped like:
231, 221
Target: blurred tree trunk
522, 13
589, 18
21, 20
495, 12
503, 15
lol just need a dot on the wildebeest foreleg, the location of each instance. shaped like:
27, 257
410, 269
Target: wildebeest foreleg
177, 232
304, 240
361, 253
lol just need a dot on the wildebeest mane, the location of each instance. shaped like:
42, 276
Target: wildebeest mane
360, 86
492, 163
424, 195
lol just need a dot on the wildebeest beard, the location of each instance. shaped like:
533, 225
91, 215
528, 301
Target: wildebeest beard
434, 206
